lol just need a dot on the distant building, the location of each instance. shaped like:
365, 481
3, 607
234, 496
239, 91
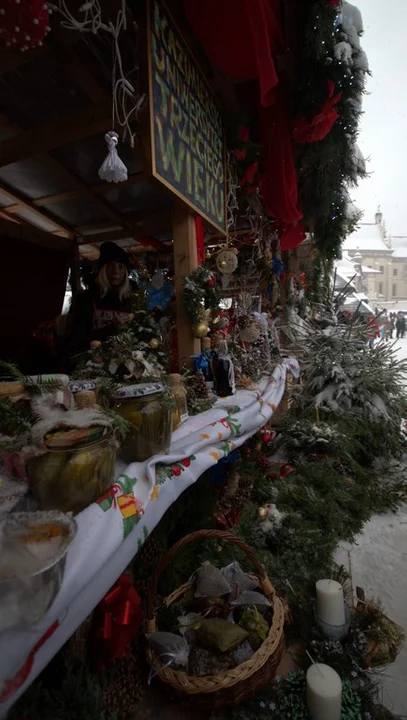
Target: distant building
372, 248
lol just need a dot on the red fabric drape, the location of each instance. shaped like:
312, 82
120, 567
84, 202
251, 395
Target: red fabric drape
243, 39
240, 37
280, 192
200, 239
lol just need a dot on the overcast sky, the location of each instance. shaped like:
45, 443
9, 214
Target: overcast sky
383, 127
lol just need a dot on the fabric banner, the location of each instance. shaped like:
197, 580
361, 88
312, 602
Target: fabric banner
111, 531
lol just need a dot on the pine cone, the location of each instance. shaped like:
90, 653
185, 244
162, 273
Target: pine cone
123, 693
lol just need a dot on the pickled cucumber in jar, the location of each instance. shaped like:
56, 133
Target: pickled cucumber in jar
44, 472
79, 476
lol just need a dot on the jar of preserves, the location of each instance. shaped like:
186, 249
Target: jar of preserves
180, 396
145, 407
70, 479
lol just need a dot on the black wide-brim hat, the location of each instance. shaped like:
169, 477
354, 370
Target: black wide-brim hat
110, 252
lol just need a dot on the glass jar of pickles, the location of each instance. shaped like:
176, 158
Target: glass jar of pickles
70, 479
180, 396
150, 414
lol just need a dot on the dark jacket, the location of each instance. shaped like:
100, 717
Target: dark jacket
92, 317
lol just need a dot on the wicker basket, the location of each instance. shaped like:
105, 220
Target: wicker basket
233, 686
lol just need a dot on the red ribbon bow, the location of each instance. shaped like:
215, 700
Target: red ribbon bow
120, 618
305, 131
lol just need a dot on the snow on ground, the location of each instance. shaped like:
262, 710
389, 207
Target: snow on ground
378, 561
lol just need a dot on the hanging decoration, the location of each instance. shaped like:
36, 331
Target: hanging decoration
200, 298
226, 260
113, 168
160, 292
277, 267
126, 99
23, 23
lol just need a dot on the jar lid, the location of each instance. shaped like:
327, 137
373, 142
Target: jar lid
141, 390
76, 386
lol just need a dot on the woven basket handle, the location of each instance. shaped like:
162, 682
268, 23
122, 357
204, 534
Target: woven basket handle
193, 537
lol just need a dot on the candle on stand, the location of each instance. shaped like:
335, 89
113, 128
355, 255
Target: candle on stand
330, 606
324, 692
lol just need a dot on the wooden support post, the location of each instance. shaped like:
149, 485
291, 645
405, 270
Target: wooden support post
185, 261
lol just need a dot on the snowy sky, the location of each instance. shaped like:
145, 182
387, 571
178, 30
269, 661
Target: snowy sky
383, 127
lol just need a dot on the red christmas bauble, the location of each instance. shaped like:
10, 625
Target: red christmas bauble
186, 462
211, 281
176, 470
266, 437
23, 23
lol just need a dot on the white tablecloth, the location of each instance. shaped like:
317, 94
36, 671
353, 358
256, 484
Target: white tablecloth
111, 531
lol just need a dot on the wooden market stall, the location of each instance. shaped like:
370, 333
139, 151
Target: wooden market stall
56, 107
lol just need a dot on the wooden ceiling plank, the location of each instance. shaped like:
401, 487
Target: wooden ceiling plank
99, 188
85, 80
108, 235
140, 177
84, 189
6, 217
57, 198
93, 228
20, 203
29, 233
13, 59
57, 133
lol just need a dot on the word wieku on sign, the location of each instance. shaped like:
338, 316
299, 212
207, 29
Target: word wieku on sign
187, 126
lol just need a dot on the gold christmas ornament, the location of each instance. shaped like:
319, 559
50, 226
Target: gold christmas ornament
154, 343
208, 255
226, 261
262, 513
200, 330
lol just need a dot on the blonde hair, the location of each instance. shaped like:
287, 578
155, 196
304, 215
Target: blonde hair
105, 286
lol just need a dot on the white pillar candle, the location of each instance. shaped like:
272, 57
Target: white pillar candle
324, 693
330, 602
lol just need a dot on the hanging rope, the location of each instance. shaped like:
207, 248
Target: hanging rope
126, 101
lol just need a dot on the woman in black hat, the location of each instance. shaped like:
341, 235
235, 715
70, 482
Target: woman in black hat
97, 312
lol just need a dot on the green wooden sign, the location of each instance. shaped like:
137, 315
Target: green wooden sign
187, 131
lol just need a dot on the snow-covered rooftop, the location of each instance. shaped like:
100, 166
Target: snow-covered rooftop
399, 246
367, 237
352, 304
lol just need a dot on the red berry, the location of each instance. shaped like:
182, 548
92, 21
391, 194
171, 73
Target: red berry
186, 462
176, 470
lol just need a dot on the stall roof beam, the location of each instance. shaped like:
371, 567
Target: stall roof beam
85, 190
19, 203
13, 59
161, 222
56, 134
80, 187
27, 232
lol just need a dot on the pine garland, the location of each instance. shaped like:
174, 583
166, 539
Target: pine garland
326, 169
200, 294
